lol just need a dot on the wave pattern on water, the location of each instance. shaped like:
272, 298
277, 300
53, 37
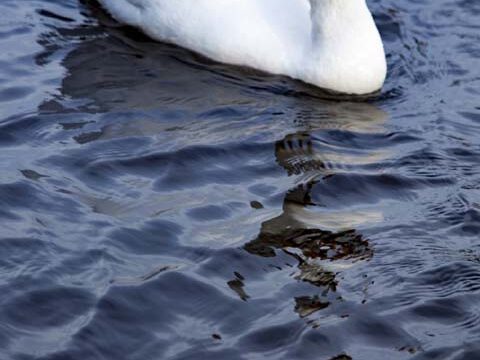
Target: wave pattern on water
157, 205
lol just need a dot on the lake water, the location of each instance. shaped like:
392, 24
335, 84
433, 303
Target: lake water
157, 205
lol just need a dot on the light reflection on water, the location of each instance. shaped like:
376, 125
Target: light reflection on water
155, 204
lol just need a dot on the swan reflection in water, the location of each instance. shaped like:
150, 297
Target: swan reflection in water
323, 241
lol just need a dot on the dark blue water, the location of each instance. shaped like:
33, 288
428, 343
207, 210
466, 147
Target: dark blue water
157, 205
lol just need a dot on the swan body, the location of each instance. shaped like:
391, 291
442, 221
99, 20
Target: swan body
333, 44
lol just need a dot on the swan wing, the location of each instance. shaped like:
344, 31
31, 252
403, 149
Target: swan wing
265, 34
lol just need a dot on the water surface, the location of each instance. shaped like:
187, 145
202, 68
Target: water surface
157, 205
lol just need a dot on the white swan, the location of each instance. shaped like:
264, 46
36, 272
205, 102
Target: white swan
333, 44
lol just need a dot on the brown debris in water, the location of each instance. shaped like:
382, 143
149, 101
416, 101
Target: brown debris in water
216, 337
307, 305
342, 357
314, 243
237, 286
317, 275
257, 205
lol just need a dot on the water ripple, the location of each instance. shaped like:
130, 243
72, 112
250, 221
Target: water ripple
156, 204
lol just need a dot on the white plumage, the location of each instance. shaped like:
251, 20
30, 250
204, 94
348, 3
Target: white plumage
333, 44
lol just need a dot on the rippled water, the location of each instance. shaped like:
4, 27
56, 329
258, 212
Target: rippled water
157, 205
